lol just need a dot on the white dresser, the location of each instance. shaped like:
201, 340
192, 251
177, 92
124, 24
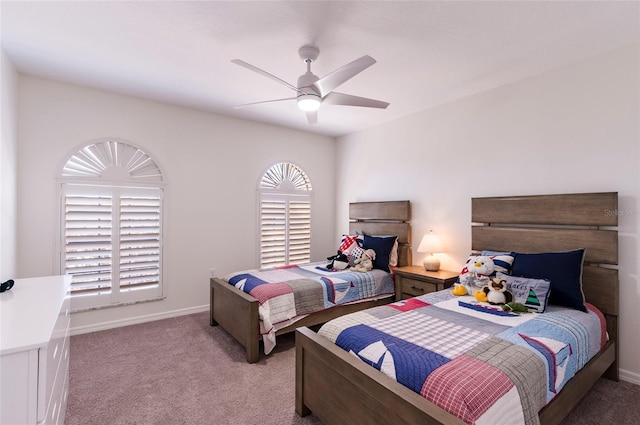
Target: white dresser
34, 351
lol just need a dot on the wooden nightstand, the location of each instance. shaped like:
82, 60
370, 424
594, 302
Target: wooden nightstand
412, 281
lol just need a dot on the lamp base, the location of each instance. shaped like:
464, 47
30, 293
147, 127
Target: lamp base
431, 263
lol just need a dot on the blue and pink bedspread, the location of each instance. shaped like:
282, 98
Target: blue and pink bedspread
289, 293
475, 361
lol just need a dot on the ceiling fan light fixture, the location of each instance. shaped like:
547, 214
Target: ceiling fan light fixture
308, 102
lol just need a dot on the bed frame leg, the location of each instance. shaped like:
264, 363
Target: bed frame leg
612, 328
253, 351
301, 409
212, 322
612, 372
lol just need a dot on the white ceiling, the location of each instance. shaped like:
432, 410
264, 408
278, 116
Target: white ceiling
428, 52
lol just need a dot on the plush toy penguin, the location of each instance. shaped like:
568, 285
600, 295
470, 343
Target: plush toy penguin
339, 261
476, 272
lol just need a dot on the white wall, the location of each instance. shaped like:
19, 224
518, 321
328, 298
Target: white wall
8, 170
212, 164
571, 130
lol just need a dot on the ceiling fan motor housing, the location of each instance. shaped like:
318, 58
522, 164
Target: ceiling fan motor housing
308, 53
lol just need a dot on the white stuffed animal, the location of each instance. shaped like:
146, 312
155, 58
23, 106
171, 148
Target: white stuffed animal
365, 262
476, 272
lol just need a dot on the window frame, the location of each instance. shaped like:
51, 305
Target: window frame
137, 176
290, 186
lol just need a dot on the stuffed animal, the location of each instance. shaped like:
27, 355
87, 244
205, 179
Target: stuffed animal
339, 261
497, 292
476, 272
514, 307
365, 262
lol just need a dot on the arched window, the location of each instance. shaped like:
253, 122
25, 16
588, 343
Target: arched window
111, 225
285, 216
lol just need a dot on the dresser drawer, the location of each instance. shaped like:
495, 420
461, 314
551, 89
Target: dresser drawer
413, 287
54, 360
57, 401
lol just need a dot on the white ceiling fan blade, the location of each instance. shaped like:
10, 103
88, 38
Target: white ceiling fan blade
331, 81
335, 98
265, 73
312, 117
263, 101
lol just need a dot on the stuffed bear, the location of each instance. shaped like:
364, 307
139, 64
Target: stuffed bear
338, 262
497, 292
365, 262
476, 272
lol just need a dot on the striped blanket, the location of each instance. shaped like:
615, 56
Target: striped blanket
477, 362
287, 294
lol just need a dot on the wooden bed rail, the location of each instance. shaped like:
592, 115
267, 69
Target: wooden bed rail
336, 393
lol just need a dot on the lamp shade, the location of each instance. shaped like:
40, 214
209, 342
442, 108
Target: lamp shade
431, 244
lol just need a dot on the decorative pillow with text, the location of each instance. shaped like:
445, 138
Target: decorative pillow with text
532, 293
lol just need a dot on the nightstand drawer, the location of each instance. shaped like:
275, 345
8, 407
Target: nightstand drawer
413, 287
412, 281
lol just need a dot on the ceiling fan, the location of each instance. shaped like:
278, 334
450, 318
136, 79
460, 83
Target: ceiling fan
312, 91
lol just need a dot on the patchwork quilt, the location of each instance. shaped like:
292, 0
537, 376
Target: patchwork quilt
481, 364
287, 294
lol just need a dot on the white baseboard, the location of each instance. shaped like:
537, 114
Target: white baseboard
136, 320
627, 376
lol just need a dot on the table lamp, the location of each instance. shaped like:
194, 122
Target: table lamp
431, 244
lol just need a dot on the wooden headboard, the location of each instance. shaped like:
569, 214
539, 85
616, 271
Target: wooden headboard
546, 223
384, 218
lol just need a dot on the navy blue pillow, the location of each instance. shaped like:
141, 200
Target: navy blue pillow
562, 269
382, 245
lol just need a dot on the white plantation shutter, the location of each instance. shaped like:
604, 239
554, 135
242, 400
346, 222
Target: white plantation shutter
140, 241
299, 232
111, 225
273, 228
285, 216
88, 247
112, 244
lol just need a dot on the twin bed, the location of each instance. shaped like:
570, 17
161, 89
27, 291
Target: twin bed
253, 312
334, 375
501, 353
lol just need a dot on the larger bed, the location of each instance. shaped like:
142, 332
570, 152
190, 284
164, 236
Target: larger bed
338, 387
241, 314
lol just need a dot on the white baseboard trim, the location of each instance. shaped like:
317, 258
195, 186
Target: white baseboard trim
136, 320
627, 376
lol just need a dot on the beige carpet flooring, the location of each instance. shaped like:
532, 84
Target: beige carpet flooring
182, 371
